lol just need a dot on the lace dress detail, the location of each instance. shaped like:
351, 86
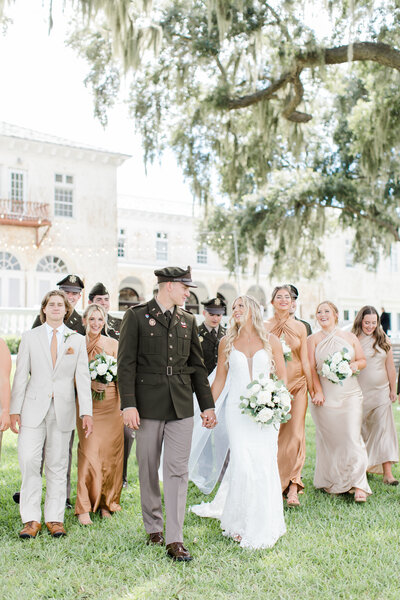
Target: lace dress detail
249, 500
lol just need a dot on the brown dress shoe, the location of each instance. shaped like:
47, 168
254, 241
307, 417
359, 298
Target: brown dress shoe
177, 551
156, 538
30, 530
56, 529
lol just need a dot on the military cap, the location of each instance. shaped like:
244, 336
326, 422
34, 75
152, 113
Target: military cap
99, 289
71, 283
175, 274
293, 291
215, 306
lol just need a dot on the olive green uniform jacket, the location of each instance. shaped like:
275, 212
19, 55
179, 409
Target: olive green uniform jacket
113, 327
209, 346
160, 367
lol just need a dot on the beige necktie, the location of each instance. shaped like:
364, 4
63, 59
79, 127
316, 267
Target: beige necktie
53, 347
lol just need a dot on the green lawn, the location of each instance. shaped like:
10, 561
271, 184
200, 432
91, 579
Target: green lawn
332, 549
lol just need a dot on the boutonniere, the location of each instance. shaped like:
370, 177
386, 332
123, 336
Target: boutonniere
70, 351
67, 335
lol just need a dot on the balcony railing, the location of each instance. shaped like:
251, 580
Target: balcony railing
28, 214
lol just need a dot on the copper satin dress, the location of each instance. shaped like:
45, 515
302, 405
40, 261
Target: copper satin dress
378, 428
291, 440
341, 456
101, 455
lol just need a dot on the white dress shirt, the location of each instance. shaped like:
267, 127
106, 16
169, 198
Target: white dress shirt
60, 335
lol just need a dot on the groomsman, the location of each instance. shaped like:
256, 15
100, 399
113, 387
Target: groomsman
52, 369
100, 295
211, 331
159, 365
72, 286
295, 294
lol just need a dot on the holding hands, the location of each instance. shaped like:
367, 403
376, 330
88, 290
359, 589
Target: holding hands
209, 419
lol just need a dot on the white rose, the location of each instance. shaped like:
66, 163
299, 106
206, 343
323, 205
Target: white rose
269, 386
113, 369
262, 380
334, 378
336, 357
252, 404
285, 399
325, 370
347, 356
265, 415
109, 377
344, 368
245, 402
102, 369
264, 397
255, 388
93, 374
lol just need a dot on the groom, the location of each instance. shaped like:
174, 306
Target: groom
159, 362
52, 361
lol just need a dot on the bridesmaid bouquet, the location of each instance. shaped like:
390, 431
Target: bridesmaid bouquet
336, 367
287, 351
103, 368
267, 401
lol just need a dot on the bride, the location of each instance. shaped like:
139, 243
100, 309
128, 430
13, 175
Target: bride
249, 501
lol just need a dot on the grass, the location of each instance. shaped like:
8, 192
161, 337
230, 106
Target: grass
332, 549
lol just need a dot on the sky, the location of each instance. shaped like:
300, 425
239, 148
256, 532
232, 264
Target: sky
43, 90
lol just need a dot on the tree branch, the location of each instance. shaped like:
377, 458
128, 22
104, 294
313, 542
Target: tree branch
361, 51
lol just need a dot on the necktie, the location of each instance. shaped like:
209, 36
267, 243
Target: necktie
53, 347
168, 316
213, 333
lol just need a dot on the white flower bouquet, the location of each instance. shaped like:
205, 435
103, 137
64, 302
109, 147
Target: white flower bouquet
103, 368
287, 351
336, 367
267, 401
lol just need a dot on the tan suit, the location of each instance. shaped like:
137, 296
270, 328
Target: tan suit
46, 403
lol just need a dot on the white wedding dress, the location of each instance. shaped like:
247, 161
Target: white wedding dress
249, 500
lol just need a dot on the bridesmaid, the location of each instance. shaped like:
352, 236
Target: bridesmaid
291, 441
378, 385
336, 409
100, 456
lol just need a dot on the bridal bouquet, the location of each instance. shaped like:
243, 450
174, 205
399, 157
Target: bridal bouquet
287, 351
336, 367
103, 368
266, 400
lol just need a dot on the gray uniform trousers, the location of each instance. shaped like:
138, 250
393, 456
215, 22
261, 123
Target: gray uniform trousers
177, 438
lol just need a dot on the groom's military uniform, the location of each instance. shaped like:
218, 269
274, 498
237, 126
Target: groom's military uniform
159, 365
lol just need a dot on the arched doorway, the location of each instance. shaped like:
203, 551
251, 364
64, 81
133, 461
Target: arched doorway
228, 293
258, 293
127, 297
192, 304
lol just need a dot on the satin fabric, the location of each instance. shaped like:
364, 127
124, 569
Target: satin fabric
378, 428
292, 441
100, 456
341, 455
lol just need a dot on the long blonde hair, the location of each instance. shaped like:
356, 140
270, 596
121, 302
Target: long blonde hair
234, 329
89, 310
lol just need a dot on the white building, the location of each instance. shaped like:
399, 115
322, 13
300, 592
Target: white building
58, 214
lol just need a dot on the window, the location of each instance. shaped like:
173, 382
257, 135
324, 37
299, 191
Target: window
51, 264
121, 248
8, 262
63, 195
17, 191
398, 321
192, 304
202, 255
161, 245
346, 315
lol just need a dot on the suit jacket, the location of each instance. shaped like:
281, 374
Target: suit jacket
113, 327
209, 346
36, 382
307, 326
160, 366
74, 323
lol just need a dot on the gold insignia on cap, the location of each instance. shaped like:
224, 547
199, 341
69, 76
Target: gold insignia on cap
217, 302
72, 278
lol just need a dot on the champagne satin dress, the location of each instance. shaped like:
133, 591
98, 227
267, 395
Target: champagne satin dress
292, 441
341, 456
101, 455
378, 428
